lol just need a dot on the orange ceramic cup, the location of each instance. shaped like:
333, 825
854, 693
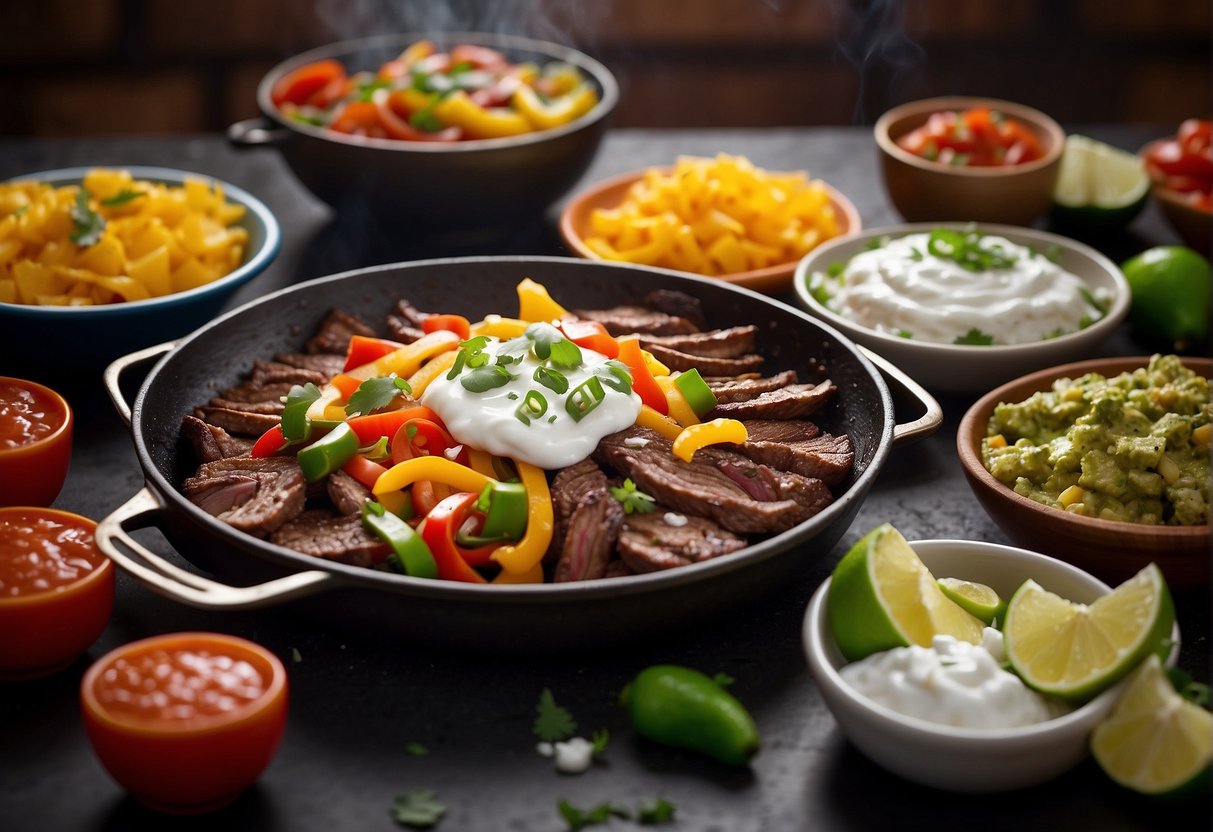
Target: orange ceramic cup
35, 443
56, 590
185, 721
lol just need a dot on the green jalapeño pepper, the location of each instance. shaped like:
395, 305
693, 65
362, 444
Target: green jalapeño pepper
696, 391
328, 453
681, 707
408, 549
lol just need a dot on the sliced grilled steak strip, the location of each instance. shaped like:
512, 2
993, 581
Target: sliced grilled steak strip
236, 421
589, 538
326, 364
648, 543
322, 534
792, 402
265, 492
404, 323
247, 391
676, 303
743, 389
569, 486
274, 372
272, 407
347, 493
710, 485
211, 443
800, 447
624, 320
717, 343
678, 360
333, 335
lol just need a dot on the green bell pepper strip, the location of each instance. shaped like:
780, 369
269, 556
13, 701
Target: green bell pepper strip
408, 549
696, 391
294, 414
507, 512
328, 453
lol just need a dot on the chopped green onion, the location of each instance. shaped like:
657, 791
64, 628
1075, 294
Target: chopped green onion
532, 407
584, 398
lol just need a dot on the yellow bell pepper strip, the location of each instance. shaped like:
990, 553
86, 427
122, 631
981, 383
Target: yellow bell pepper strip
459, 110
499, 327
528, 552
328, 453
535, 304
562, 110
715, 432
436, 468
481, 462
680, 409
651, 419
410, 551
429, 371
534, 575
696, 391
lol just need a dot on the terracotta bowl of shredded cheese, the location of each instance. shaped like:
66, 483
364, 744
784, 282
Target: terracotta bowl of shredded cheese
110, 260
722, 217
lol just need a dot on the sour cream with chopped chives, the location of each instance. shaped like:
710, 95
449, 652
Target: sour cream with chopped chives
959, 287
950, 683
547, 414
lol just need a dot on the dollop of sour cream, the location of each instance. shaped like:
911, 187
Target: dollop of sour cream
489, 420
901, 288
950, 683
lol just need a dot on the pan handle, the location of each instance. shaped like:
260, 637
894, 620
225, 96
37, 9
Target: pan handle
162, 577
923, 426
113, 375
256, 132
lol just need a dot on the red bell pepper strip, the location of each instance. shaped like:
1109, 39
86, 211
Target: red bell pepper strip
457, 324
426, 436
364, 470
643, 383
480, 57
359, 118
591, 335
299, 85
398, 128
363, 350
269, 443
441, 526
374, 425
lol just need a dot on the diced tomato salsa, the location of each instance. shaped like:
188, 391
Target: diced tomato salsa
26, 415
1185, 163
978, 137
41, 551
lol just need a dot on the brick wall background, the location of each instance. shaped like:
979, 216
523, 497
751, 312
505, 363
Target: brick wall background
88, 67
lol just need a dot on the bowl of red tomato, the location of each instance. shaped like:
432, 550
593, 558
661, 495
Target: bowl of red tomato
961, 158
1181, 173
443, 131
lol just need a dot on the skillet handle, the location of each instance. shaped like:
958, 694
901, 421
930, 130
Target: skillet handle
113, 375
162, 577
256, 132
923, 426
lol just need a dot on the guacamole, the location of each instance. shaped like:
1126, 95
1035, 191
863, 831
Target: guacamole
1133, 448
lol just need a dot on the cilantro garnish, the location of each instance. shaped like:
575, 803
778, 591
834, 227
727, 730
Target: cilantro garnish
633, 499
89, 225
376, 394
121, 198
365, 92
552, 722
578, 819
904, 333
1090, 298
426, 120
965, 248
486, 377
616, 375
418, 809
551, 345
600, 739
974, 337
657, 812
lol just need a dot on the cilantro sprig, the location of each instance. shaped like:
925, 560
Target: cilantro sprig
122, 198
579, 819
634, 500
418, 809
552, 722
376, 394
974, 337
88, 224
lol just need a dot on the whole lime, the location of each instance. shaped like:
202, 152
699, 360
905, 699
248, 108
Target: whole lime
1171, 295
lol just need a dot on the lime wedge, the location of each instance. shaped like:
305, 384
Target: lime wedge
1098, 186
976, 599
881, 596
1155, 741
1074, 651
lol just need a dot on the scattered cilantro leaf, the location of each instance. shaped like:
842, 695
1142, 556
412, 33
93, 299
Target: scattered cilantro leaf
1090, 298
552, 722
121, 198
426, 120
916, 255
416, 749
904, 333
551, 345
633, 499
723, 679
554, 380
616, 375
578, 819
566, 354
366, 92
656, 812
1053, 253
20, 211
836, 268
1195, 692
487, 377
373, 394
600, 738
89, 225
974, 337
418, 809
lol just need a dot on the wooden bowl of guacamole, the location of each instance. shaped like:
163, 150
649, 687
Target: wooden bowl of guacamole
1101, 463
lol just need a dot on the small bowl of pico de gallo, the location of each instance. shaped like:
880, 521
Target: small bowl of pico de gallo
1181, 173
967, 158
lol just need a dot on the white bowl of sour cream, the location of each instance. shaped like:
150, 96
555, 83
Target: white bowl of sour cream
959, 759
963, 307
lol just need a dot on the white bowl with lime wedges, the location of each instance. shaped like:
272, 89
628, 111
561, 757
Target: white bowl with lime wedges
922, 685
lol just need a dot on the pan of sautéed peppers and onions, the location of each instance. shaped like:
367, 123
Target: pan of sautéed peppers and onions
454, 432
470, 92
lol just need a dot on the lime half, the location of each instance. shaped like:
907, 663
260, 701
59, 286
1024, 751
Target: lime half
1074, 651
881, 596
976, 599
1155, 741
1098, 186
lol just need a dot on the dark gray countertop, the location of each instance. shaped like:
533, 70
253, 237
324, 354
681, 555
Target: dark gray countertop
357, 699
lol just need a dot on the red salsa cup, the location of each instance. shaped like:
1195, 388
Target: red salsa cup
56, 590
35, 443
185, 721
